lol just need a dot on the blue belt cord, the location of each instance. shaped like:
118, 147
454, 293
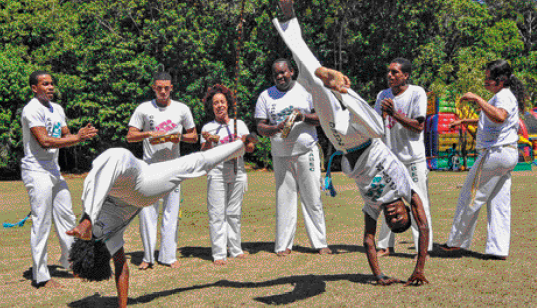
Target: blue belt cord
328, 186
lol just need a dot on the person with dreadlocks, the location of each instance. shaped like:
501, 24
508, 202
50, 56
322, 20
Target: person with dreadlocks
118, 186
226, 184
489, 180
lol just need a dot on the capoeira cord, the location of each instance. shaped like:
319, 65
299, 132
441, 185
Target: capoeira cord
18, 224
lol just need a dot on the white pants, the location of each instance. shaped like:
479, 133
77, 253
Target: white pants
298, 174
418, 172
492, 175
49, 198
117, 173
168, 230
224, 206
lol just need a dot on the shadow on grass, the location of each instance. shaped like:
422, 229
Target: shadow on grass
440, 253
305, 286
252, 248
54, 270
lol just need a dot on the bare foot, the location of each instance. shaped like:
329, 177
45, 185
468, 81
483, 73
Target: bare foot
333, 79
447, 248
242, 256
145, 265
175, 264
325, 251
51, 284
284, 253
82, 231
385, 252
220, 262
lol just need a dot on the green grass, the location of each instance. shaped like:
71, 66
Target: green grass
303, 279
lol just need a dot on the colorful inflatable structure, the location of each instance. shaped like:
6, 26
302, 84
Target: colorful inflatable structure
446, 148
440, 139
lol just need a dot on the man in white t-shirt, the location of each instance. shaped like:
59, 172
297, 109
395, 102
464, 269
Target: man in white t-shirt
354, 128
44, 131
404, 107
165, 118
295, 158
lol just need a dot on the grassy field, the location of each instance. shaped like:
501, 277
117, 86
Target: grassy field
303, 279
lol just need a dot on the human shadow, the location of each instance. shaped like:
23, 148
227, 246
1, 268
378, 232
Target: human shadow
440, 253
305, 286
55, 271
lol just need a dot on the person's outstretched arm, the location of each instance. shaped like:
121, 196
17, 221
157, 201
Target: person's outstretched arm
418, 276
122, 277
371, 252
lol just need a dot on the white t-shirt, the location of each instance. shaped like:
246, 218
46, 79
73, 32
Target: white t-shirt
225, 131
491, 134
406, 144
150, 117
34, 114
275, 106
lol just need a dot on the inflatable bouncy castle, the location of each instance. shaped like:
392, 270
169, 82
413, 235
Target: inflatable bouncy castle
441, 141
454, 148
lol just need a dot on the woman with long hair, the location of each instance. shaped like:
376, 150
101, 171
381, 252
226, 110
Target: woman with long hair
227, 182
489, 180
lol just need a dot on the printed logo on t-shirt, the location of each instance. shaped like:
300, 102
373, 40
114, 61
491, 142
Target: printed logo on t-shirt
166, 126
379, 182
284, 113
53, 129
228, 139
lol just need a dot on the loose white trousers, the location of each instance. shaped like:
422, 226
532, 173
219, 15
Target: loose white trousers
119, 174
294, 175
224, 206
492, 175
168, 230
49, 198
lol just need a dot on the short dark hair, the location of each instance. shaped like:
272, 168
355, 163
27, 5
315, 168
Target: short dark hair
403, 228
34, 77
208, 99
90, 260
406, 65
283, 60
161, 76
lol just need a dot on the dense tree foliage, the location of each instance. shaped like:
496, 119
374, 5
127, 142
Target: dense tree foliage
102, 54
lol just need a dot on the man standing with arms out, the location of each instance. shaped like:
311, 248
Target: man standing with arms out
159, 117
404, 108
44, 131
295, 158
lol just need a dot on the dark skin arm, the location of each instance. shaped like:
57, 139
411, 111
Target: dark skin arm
67, 139
265, 129
136, 135
465, 122
122, 277
371, 252
415, 125
416, 206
